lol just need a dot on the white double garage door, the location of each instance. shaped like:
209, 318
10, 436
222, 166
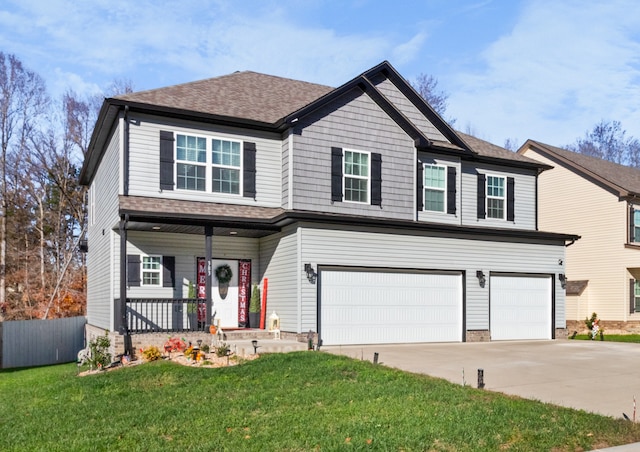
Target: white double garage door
376, 307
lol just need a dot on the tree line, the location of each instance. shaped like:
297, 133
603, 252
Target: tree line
43, 211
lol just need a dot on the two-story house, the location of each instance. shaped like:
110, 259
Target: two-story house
371, 219
603, 268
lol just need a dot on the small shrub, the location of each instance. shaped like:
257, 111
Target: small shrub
205, 348
151, 353
99, 355
222, 350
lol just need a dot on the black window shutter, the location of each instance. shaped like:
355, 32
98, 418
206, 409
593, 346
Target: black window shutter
482, 183
451, 189
168, 270
336, 174
249, 157
631, 225
511, 198
166, 160
632, 296
133, 270
420, 197
376, 179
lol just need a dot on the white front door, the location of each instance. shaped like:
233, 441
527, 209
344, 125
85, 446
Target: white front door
225, 302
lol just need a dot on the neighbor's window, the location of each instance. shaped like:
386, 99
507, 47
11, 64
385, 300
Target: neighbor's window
637, 295
191, 160
226, 166
496, 197
636, 226
356, 176
434, 187
151, 270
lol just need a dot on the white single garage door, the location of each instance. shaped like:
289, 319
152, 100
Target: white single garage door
366, 307
520, 307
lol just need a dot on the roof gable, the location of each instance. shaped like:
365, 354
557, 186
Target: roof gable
624, 180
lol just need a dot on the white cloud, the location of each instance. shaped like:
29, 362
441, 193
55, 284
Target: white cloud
563, 67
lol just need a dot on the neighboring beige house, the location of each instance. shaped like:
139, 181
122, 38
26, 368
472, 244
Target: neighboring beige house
600, 201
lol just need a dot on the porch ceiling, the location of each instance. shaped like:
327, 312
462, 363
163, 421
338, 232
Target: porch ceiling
196, 229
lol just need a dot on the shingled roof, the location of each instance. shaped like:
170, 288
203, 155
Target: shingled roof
486, 149
623, 179
244, 95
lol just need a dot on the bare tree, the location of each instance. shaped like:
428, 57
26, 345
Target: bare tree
607, 140
511, 144
23, 99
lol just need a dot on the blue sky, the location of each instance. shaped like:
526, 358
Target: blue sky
541, 69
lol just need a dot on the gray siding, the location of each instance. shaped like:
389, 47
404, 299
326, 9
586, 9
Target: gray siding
355, 122
408, 109
366, 249
145, 161
443, 217
525, 197
286, 143
279, 263
106, 187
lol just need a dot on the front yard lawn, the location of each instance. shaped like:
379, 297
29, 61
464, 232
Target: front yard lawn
292, 401
611, 337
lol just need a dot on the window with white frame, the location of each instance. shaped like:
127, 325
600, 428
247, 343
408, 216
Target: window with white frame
637, 295
213, 165
226, 159
151, 270
496, 197
357, 176
435, 183
636, 226
191, 162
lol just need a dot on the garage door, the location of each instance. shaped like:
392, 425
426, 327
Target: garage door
365, 307
520, 307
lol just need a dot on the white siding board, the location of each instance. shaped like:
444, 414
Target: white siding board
327, 247
144, 160
106, 185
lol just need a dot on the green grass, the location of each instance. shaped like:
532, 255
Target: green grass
293, 402
611, 337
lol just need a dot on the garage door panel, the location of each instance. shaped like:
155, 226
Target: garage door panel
520, 307
377, 308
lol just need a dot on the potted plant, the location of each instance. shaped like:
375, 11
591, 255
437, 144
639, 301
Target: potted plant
254, 307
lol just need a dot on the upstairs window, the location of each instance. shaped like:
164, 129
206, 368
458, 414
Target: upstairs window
151, 271
356, 176
496, 197
225, 156
636, 226
191, 162
435, 183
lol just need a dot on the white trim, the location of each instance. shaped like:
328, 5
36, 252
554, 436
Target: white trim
503, 198
345, 175
425, 188
290, 169
121, 146
143, 270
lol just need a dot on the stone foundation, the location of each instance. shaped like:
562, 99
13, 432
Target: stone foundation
562, 333
478, 336
610, 326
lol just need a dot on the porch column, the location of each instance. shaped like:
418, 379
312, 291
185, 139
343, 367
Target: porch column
121, 313
208, 236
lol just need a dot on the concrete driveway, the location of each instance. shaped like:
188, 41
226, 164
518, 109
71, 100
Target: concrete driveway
601, 377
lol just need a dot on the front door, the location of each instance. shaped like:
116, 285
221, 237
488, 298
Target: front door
225, 295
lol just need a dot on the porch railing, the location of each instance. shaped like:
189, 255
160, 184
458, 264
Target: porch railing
160, 315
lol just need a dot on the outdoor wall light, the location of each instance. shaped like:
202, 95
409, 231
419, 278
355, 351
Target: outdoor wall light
563, 280
481, 278
311, 273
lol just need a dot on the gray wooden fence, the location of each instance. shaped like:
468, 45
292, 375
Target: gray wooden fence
29, 343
